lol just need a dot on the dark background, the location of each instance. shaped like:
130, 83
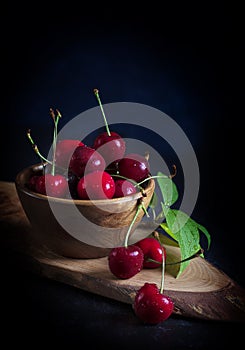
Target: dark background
185, 62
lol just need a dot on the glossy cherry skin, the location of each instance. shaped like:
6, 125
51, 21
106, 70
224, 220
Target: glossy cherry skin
111, 147
124, 188
125, 262
134, 166
150, 306
96, 185
86, 159
64, 151
52, 185
152, 249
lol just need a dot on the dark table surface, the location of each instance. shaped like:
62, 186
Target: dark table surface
193, 75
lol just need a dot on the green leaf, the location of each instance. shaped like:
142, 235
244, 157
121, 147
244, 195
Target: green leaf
166, 240
186, 233
168, 189
154, 201
165, 227
206, 233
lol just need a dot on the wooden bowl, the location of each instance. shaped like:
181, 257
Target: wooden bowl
79, 228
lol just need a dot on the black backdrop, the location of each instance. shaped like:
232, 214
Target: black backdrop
185, 62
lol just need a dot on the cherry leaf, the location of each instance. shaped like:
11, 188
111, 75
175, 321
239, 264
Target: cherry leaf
168, 189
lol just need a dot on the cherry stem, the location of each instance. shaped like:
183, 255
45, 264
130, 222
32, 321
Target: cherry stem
56, 121
199, 253
163, 275
151, 177
140, 206
144, 208
130, 180
159, 176
96, 92
156, 235
35, 148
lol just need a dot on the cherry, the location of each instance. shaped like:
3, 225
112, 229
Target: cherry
134, 166
124, 188
96, 185
32, 183
86, 158
72, 183
52, 185
151, 306
64, 151
153, 250
114, 146
125, 262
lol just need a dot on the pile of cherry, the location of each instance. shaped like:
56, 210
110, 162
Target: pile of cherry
91, 173
105, 171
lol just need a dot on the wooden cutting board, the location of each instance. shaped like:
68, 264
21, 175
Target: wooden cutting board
202, 291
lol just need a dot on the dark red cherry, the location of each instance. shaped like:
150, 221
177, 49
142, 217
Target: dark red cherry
86, 159
64, 151
153, 250
125, 262
134, 166
52, 185
32, 183
124, 188
40, 185
72, 183
110, 147
96, 185
151, 306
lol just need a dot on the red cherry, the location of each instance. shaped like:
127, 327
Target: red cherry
134, 166
151, 306
86, 158
111, 147
152, 249
72, 183
40, 185
52, 185
125, 262
64, 151
32, 183
124, 188
96, 185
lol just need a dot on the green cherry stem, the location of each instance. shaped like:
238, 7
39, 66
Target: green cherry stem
159, 177
140, 206
197, 254
96, 92
156, 235
151, 177
35, 148
130, 180
56, 119
163, 275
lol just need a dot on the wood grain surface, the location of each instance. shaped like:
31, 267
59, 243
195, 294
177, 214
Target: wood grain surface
202, 291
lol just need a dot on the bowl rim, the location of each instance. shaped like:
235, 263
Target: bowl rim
21, 186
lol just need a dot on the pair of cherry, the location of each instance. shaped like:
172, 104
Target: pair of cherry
150, 304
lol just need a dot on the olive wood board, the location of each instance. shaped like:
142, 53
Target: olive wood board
202, 291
